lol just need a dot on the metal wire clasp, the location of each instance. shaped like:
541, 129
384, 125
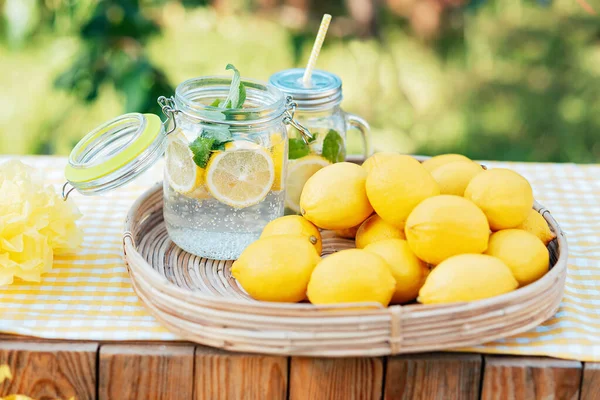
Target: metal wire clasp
288, 119
167, 104
66, 190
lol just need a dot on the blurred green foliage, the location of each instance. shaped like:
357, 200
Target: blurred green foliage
507, 80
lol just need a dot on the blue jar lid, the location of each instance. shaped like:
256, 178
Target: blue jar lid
325, 88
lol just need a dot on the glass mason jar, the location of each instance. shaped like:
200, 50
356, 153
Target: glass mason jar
239, 188
318, 109
224, 168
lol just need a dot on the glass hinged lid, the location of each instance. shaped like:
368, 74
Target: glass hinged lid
114, 153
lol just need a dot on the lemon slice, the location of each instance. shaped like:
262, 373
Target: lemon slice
298, 173
183, 175
241, 177
278, 154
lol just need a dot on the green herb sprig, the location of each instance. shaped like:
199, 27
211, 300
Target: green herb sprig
214, 138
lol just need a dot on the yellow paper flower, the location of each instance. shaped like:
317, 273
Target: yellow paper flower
35, 224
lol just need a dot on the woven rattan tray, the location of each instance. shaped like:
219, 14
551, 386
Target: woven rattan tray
198, 299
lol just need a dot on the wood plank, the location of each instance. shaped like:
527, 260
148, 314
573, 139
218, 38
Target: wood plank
336, 378
590, 386
146, 372
49, 370
222, 375
433, 376
540, 378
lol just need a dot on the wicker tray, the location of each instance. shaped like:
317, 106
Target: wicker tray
198, 299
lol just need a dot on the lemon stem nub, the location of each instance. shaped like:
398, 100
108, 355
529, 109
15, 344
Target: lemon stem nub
313, 240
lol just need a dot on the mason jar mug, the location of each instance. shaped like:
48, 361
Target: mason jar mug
319, 110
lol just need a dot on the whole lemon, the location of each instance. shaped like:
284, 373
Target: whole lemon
454, 177
432, 163
523, 252
375, 229
351, 276
397, 186
467, 277
503, 195
443, 226
408, 271
335, 197
294, 225
276, 268
348, 233
377, 159
536, 224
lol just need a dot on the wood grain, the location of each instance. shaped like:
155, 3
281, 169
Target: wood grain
433, 376
146, 372
336, 378
222, 375
540, 378
49, 371
590, 386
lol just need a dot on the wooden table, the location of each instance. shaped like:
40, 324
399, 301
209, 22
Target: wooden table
48, 370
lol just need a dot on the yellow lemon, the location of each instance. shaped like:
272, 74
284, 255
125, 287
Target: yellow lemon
294, 225
377, 159
335, 198
536, 224
503, 195
278, 154
408, 271
395, 187
351, 276
348, 233
443, 226
467, 277
523, 252
454, 177
434, 162
276, 268
299, 171
375, 229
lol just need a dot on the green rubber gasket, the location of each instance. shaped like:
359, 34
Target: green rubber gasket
122, 158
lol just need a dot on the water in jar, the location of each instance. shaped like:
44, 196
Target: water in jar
217, 211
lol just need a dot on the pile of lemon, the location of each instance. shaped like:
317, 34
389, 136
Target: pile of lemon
445, 230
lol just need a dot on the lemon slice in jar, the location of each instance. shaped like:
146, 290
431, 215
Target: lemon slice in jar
298, 173
278, 154
183, 175
241, 176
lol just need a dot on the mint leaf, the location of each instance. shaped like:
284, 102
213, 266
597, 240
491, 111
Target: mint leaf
237, 91
297, 148
215, 103
201, 148
220, 145
333, 147
218, 134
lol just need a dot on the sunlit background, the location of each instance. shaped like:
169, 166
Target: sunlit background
505, 80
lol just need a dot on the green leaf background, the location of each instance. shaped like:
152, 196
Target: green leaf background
502, 80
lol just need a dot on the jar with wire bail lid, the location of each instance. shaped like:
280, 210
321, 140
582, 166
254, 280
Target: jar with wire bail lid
319, 110
224, 167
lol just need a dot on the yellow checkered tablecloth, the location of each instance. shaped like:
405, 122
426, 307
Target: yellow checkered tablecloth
88, 296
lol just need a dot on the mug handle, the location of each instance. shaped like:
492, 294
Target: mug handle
357, 122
